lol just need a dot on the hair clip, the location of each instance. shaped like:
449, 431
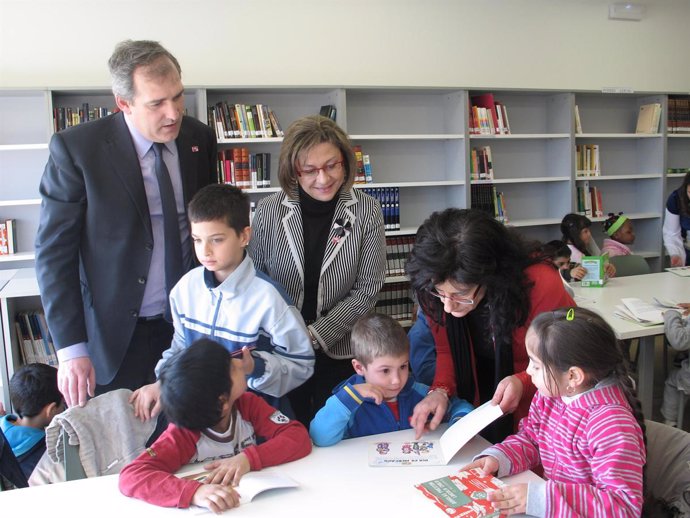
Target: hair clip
570, 315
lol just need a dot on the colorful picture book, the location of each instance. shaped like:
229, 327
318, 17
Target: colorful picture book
437, 452
463, 495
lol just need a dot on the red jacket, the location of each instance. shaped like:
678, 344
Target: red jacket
150, 476
547, 294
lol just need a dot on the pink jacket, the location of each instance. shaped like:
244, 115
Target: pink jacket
613, 247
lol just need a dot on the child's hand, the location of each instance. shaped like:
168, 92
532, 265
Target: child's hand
370, 391
684, 308
216, 497
488, 465
247, 361
147, 401
227, 471
578, 272
610, 270
510, 500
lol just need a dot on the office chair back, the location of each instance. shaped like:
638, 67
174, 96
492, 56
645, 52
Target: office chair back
9, 465
627, 265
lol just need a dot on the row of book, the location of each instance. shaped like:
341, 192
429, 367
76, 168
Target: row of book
8, 237
488, 116
65, 117
589, 200
484, 196
398, 248
239, 167
35, 344
481, 164
389, 198
363, 166
395, 300
587, 160
243, 121
679, 114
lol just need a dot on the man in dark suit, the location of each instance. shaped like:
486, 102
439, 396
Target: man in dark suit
100, 247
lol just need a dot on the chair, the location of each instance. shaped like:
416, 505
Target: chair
668, 466
627, 265
9, 465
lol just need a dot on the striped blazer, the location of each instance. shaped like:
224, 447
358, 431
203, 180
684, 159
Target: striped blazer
353, 267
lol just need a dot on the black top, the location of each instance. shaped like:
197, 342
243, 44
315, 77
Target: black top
317, 218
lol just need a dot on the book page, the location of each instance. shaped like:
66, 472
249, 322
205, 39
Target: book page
467, 427
643, 311
683, 271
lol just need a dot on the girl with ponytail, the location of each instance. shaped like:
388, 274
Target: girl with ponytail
585, 425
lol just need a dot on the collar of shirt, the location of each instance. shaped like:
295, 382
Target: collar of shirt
142, 145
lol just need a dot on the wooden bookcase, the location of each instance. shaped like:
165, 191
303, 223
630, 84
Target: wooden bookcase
418, 140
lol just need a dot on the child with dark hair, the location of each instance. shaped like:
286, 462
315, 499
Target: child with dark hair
228, 300
560, 254
215, 421
36, 400
621, 235
585, 425
381, 396
577, 234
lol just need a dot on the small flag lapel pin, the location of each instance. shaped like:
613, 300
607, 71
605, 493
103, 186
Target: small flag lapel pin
195, 149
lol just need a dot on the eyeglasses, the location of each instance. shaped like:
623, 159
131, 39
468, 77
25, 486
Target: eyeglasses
454, 298
329, 169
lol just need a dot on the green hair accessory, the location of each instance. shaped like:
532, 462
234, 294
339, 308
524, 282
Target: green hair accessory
617, 225
570, 315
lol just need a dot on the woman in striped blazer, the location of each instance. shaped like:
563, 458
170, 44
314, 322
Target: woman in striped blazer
325, 243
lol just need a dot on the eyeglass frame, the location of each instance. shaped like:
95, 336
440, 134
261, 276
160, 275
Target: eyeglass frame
327, 168
464, 301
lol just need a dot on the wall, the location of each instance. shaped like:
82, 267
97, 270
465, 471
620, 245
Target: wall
547, 44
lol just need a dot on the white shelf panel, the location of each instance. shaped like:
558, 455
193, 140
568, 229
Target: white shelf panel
396, 278
533, 222
405, 231
250, 140
536, 179
404, 185
618, 135
632, 215
263, 190
619, 177
521, 136
22, 284
17, 203
647, 254
21, 256
678, 135
441, 136
22, 147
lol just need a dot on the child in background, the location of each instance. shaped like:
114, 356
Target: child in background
213, 420
578, 236
677, 330
381, 396
585, 425
621, 234
560, 255
36, 400
228, 300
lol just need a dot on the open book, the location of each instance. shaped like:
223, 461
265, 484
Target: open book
464, 494
683, 271
434, 453
251, 484
643, 313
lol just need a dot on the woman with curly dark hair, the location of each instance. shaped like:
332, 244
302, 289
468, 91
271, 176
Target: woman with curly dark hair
479, 286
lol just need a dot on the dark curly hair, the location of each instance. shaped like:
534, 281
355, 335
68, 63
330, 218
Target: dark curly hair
468, 246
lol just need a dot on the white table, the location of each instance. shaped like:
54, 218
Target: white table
334, 482
604, 300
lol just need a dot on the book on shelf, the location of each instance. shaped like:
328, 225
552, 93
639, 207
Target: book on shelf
481, 163
395, 300
648, 118
35, 343
360, 174
463, 494
389, 199
578, 122
484, 196
239, 167
243, 121
682, 271
642, 312
587, 160
66, 117
434, 452
251, 484
489, 116
328, 110
678, 114
397, 250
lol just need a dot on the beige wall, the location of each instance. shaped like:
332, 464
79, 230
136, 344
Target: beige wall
546, 44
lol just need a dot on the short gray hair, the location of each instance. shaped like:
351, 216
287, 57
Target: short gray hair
132, 54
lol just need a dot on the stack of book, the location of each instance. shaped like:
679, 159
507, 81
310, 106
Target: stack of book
679, 114
35, 343
65, 117
589, 200
243, 121
642, 312
587, 160
488, 116
363, 166
239, 167
398, 248
389, 198
8, 237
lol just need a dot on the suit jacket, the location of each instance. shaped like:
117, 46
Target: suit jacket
353, 268
94, 240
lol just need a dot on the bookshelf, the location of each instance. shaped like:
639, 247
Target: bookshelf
419, 141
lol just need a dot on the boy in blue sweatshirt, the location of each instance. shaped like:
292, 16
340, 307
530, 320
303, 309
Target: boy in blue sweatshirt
381, 396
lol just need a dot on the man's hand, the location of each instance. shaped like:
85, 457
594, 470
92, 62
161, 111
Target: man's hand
435, 403
676, 260
77, 380
147, 401
227, 471
508, 394
370, 391
216, 498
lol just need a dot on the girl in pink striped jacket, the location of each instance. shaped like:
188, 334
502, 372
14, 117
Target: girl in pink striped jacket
585, 425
